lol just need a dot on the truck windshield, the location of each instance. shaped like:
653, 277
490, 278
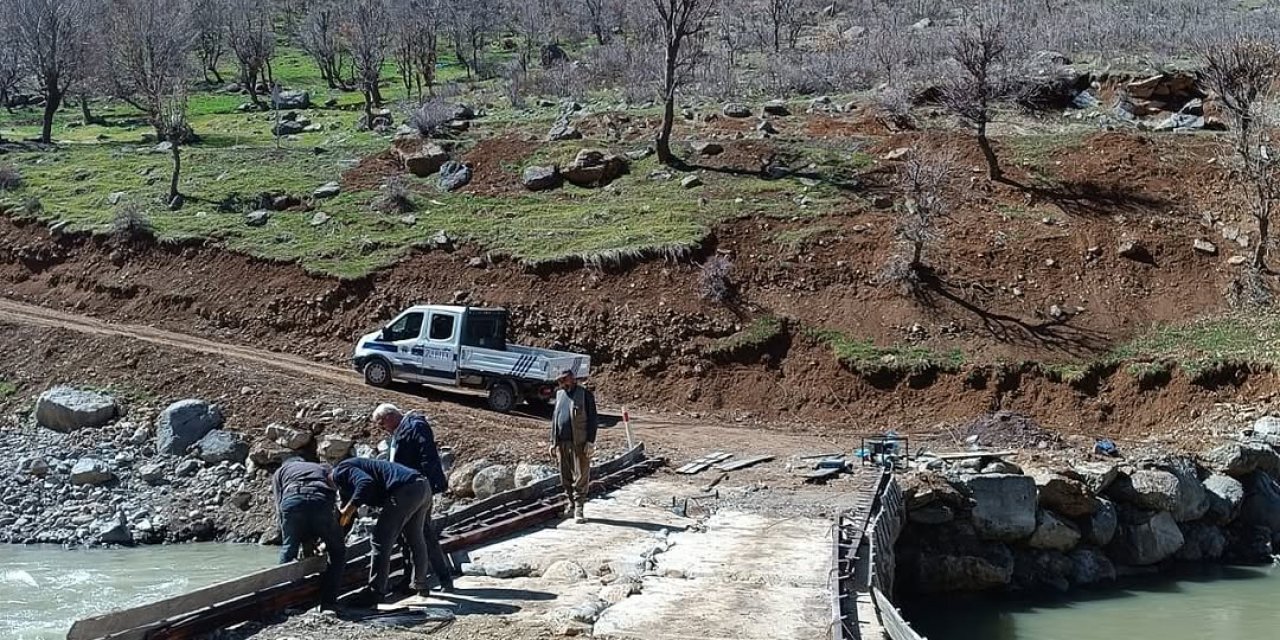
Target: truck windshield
407, 327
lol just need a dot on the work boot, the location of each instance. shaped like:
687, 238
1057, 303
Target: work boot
568, 509
578, 516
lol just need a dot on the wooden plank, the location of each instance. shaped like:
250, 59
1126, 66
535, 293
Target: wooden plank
974, 454
742, 464
822, 474
703, 463
118, 621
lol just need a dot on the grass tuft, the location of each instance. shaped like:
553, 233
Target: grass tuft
863, 357
753, 337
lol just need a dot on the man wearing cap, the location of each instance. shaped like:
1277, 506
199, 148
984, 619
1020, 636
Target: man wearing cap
306, 505
573, 437
413, 444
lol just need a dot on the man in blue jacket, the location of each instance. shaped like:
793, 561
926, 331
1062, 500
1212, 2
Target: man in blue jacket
413, 444
305, 505
404, 497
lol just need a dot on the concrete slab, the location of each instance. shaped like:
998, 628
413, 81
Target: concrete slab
700, 609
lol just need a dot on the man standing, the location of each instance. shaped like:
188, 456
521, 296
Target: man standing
573, 438
413, 444
404, 496
305, 505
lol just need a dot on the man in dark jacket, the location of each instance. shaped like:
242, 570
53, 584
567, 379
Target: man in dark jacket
573, 439
305, 505
404, 497
413, 444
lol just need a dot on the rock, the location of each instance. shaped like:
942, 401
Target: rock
152, 473
493, 480
288, 128
113, 531
257, 218
116, 198
1266, 426
541, 177
291, 100
462, 112
1101, 528
564, 572
922, 25
425, 160
1192, 502
188, 467
183, 424
38, 467
508, 570
736, 110
1053, 533
66, 409
1180, 122
453, 176
460, 479
932, 514
690, 181
269, 454
1064, 495
222, 446
1226, 495
989, 569
594, 168
615, 593
707, 148
320, 219
562, 130
1153, 489
1261, 506
1239, 459
1201, 541
1205, 247
527, 473
1150, 539
767, 128
1090, 566
1004, 506
287, 437
636, 155
1096, 476
897, 154
1001, 466
91, 471
1038, 569
776, 108
327, 190
1134, 250
333, 447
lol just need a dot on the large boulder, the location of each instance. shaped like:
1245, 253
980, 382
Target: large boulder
1193, 502
1004, 506
527, 474
460, 478
269, 454
1101, 528
292, 100
492, 480
1053, 533
424, 160
221, 446
1090, 566
333, 447
990, 569
288, 437
1036, 569
1226, 494
1261, 505
1201, 541
454, 175
1152, 489
562, 130
1146, 538
91, 471
1096, 476
66, 409
594, 168
1239, 459
113, 530
541, 177
184, 423
736, 110
1062, 494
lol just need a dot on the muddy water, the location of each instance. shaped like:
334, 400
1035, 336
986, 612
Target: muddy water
44, 589
1222, 603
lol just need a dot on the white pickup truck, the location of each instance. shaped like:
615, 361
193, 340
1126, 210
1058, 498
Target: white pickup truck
463, 347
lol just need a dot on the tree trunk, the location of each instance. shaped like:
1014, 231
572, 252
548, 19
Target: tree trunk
984, 143
84, 109
1264, 236
177, 171
664, 136
217, 77
368, 108
52, 102
376, 92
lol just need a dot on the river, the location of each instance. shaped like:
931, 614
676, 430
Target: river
1223, 603
43, 589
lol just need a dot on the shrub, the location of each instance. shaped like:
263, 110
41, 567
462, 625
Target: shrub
713, 279
396, 197
130, 222
10, 179
432, 117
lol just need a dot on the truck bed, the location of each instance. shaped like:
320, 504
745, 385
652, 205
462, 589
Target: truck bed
529, 363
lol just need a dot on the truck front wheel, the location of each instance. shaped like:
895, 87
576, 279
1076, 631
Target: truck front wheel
377, 373
503, 397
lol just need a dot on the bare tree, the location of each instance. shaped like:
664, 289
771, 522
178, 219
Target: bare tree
171, 122
922, 180
148, 43
471, 22
679, 21
51, 37
1242, 73
778, 23
365, 29
415, 36
317, 33
531, 20
596, 18
209, 21
981, 48
253, 41
10, 71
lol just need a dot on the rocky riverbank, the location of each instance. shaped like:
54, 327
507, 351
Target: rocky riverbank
87, 469
985, 523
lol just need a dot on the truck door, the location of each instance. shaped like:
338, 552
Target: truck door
403, 335
439, 347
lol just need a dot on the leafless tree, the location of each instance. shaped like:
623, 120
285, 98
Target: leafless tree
679, 22
922, 179
532, 22
471, 22
981, 49
148, 44
317, 32
1242, 73
209, 21
415, 36
252, 39
51, 37
778, 23
365, 30
10, 71
597, 19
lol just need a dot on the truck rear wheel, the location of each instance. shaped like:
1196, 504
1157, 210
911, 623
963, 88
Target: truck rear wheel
377, 373
503, 397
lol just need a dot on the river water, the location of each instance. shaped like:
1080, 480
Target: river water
43, 589
1222, 603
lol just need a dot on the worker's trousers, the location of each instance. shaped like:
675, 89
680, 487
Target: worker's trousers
309, 518
575, 471
407, 511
